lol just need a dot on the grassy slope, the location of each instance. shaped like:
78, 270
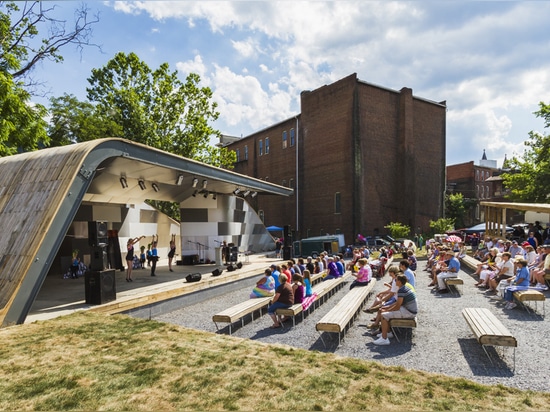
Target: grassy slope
88, 361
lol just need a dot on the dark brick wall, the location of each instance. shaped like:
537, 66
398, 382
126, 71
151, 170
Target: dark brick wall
382, 150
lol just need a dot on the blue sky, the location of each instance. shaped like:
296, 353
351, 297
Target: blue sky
489, 60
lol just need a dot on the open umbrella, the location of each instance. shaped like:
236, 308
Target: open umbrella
274, 228
454, 239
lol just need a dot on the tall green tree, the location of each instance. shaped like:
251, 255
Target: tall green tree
156, 108
455, 208
529, 176
74, 121
22, 125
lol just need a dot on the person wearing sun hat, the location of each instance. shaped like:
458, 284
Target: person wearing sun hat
518, 282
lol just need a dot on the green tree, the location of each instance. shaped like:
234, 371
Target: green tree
455, 208
398, 230
22, 125
155, 108
73, 121
528, 179
442, 225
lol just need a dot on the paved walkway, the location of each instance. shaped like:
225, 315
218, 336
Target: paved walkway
60, 296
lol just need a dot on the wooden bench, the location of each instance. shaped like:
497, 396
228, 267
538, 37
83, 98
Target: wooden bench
530, 295
488, 330
454, 282
401, 323
240, 310
469, 262
342, 314
248, 307
321, 289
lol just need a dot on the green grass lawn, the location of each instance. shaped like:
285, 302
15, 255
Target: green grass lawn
88, 361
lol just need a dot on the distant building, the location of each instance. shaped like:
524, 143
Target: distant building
481, 182
358, 157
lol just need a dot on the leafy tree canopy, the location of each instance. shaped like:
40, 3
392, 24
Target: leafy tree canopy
22, 124
529, 177
155, 108
455, 208
398, 230
442, 225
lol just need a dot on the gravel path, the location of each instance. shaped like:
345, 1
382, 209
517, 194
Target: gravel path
442, 342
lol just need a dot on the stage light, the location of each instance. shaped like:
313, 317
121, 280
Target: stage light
179, 180
155, 187
123, 182
195, 182
204, 184
236, 191
195, 193
214, 196
141, 184
254, 194
245, 194
205, 195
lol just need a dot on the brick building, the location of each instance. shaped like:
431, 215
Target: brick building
476, 182
358, 157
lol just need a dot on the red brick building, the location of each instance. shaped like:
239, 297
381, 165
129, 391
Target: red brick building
358, 157
481, 182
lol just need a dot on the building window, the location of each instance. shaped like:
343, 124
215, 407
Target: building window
477, 191
238, 153
291, 183
284, 183
267, 145
261, 215
292, 137
284, 139
261, 147
246, 153
337, 203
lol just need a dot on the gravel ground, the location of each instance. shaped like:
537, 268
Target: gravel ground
442, 342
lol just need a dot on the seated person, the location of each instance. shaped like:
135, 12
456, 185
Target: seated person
413, 263
405, 268
450, 270
505, 272
284, 298
440, 264
332, 269
519, 282
307, 282
386, 295
265, 286
487, 263
298, 288
364, 275
405, 307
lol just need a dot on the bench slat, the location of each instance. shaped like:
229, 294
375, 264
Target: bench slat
236, 312
487, 328
341, 314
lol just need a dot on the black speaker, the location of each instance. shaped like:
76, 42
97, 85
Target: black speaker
99, 259
97, 234
287, 252
287, 236
99, 286
190, 259
239, 265
193, 277
230, 268
217, 272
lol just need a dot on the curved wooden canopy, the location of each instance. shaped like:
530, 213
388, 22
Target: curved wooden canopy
41, 191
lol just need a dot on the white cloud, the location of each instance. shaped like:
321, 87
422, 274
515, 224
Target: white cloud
489, 60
